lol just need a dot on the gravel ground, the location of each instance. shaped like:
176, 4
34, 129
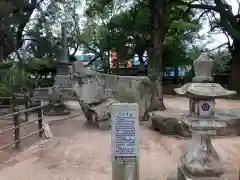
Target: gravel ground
79, 152
86, 155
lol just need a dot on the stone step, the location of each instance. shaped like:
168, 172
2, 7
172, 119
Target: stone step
225, 177
42, 94
228, 175
171, 122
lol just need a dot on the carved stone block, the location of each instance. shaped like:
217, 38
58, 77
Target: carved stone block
183, 174
201, 159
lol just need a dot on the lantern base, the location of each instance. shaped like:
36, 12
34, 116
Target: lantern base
183, 174
201, 159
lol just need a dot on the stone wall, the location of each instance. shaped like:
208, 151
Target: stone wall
125, 89
97, 85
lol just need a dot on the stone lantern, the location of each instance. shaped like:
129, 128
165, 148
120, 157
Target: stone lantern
84, 82
201, 160
56, 106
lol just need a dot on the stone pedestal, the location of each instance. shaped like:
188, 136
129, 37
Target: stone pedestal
56, 110
56, 104
201, 159
62, 67
64, 83
183, 174
62, 79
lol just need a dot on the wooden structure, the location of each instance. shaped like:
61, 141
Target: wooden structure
18, 124
14, 101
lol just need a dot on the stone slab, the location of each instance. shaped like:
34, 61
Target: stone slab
63, 81
226, 176
170, 122
184, 175
62, 67
42, 94
203, 90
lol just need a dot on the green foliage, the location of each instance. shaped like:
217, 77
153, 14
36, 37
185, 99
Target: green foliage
194, 52
32, 39
128, 33
14, 17
40, 66
13, 80
221, 62
15, 24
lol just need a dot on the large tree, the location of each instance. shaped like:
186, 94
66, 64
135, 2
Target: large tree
221, 17
130, 29
30, 33
32, 26
14, 17
161, 16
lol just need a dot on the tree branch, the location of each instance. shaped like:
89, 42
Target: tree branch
210, 50
224, 32
92, 61
228, 20
202, 14
75, 49
198, 6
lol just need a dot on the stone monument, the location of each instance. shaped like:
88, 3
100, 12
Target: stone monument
55, 105
62, 88
95, 107
62, 80
201, 160
62, 76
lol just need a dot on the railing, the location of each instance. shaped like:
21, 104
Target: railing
18, 124
13, 103
14, 99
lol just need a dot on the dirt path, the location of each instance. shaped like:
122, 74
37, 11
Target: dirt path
86, 155
83, 153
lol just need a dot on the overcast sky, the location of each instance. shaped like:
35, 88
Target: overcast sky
216, 40
220, 38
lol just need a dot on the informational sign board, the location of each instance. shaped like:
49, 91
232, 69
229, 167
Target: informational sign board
125, 132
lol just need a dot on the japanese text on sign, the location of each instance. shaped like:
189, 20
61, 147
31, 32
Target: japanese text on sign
125, 135
125, 132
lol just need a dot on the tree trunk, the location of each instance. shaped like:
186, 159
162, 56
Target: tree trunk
158, 10
176, 73
235, 73
142, 63
108, 66
140, 58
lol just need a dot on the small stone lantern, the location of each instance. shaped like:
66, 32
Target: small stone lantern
84, 82
56, 104
201, 160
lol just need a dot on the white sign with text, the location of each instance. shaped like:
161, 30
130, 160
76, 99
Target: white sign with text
125, 132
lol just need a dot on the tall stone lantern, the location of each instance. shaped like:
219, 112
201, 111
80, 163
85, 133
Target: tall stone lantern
201, 160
